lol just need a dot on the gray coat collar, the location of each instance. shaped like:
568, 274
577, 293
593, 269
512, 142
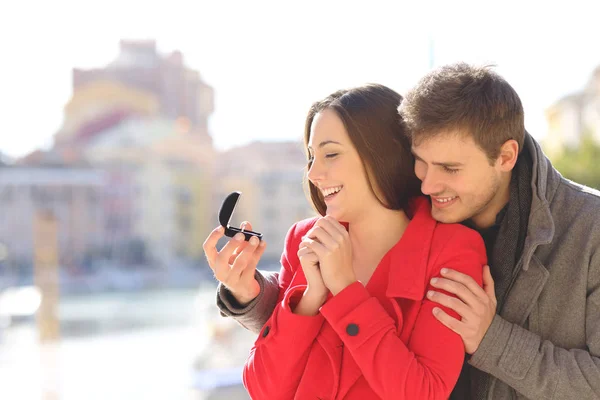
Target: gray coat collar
544, 182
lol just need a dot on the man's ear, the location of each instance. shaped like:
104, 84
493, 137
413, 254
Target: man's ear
509, 152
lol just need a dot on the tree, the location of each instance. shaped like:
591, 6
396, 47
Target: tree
581, 164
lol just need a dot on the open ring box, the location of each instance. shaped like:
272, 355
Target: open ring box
226, 213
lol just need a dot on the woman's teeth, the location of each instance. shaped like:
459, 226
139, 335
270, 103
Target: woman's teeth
330, 191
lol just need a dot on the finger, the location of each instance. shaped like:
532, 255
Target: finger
320, 235
458, 289
227, 250
253, 263
244, 226
307, 254
488, 282
330, 225
237, 251
449, 321
303, 244
257, 254
452, 303
462, 278
210, 245
315, 246
336, 224
304, 251
245, 256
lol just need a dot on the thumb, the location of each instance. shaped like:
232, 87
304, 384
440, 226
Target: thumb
246, 226
488, 282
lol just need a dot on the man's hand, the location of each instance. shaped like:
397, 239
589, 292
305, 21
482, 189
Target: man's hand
475, 305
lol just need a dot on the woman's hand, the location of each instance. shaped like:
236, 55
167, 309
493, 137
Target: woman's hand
235, 264
316, 292
330, 241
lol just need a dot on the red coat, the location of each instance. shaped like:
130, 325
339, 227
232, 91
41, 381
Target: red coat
378, 341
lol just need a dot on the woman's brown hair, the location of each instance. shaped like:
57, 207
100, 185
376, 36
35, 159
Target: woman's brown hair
370, 115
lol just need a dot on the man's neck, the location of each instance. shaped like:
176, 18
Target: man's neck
487, 217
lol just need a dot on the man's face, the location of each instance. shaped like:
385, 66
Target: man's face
458, 177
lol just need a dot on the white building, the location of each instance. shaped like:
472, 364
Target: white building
72, 195
168, 173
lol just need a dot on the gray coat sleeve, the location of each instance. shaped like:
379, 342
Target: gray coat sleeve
538, 369
253, 315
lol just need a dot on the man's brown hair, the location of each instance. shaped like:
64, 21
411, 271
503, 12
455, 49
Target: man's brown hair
468, 100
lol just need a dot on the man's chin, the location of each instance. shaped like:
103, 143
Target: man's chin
445, 216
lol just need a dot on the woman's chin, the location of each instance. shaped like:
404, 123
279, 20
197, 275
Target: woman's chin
334, 213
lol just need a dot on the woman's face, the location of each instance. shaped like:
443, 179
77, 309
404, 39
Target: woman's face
337, 170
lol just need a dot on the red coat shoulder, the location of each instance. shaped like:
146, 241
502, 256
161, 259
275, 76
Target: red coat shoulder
458, 247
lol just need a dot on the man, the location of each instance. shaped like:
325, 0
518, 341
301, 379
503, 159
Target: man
533, 330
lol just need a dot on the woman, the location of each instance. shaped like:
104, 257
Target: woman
353, 320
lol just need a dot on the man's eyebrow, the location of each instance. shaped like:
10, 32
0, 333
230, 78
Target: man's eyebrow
447, 164
416, 156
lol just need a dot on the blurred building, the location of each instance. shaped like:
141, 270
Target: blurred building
159, 186
574, 116
143, 120
140, 81
154, 181
270, 177
73, 196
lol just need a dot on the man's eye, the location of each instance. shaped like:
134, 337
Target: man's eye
451, 170
331, 155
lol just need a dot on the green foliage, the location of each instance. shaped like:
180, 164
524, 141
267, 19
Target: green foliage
581, 164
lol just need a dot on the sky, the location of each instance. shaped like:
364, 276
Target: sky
269, 60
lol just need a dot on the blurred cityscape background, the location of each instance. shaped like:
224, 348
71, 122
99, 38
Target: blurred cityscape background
107, 195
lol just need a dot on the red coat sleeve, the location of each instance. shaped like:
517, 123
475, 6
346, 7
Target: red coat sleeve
428, 366
277, 359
